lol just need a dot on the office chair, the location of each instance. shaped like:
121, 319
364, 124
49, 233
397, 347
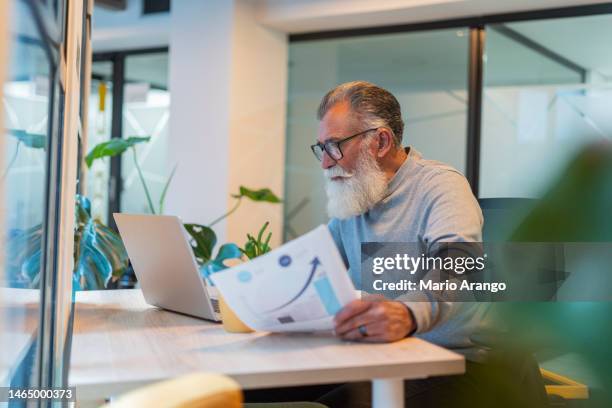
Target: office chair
501, 218
199, 390
502, 215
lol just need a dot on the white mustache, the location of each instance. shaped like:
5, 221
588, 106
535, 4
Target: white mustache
337, 171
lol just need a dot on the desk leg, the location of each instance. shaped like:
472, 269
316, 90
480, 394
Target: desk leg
387, 393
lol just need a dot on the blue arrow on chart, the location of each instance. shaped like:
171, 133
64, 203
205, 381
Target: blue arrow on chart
315, 262
327, 295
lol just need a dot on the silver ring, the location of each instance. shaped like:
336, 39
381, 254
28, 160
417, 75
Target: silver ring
362, 329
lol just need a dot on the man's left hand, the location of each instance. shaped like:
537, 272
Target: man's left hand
380, 321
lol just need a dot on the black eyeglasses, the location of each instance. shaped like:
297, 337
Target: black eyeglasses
332, 147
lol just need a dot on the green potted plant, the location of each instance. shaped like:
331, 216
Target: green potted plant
100, 257
203, 238
253, 248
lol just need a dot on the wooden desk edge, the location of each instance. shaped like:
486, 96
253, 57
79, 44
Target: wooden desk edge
452, 365
410, 371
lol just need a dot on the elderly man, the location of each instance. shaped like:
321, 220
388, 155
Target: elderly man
379, 191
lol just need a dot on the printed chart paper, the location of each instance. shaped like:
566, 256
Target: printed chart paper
297, 287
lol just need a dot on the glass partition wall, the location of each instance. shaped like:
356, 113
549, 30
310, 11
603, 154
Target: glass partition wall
40, 93
26, 116
500, 101
426, 71
129, 98
99, 130
146, 111
547, 93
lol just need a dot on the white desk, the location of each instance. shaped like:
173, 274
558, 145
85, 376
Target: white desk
121, 343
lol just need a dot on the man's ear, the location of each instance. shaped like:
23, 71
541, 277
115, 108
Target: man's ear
385, 142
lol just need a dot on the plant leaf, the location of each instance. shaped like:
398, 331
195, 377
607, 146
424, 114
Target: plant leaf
261, 232
256, 247
100, 256
249, 249
264, 194
268, 240
34, 140
112, 148
228, 251
204, 240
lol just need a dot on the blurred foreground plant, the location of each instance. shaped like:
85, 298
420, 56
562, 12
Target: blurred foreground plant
576, 209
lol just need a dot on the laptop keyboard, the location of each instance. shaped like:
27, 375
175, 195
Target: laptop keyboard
215, 305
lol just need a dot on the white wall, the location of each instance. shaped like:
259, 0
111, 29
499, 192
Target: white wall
258, 100
200, 57
227, 81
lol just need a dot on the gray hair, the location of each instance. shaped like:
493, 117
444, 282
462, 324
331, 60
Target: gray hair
374, 105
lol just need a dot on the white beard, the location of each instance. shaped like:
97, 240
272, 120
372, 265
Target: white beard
356, 192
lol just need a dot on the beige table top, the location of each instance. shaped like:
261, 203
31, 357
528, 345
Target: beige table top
120, 343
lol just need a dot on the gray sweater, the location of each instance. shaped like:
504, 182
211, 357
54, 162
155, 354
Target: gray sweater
427, 202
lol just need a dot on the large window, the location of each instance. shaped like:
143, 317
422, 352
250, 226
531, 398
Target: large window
547, 93
534, 92
426, 71
146, 110
26, 119
39, 122
129, 97
26, 116
99, 124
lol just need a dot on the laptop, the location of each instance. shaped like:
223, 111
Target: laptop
161, 255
